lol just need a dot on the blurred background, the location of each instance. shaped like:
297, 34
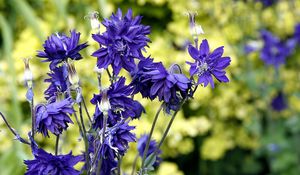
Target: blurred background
237, 128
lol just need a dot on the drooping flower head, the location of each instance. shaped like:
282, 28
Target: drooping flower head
119, 136
60, 47
208, 63
279, 102
46, 163
53, 117
153, 80
123, 41
58, 83
121, 105
275, 51
109, 162
152, 147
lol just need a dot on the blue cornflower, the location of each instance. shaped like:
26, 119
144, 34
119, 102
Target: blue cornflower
279, 102
54, 116
59, 83
123, 41
207, 64
121, 105
153, 80
59, 47
275, 51
46, 163
152, 147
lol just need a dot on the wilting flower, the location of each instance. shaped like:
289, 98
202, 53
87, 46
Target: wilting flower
119, 137
121, 105
46, 163
152, 147
123, 41
279, 102
207, 64
58, 83
275, 51
59, 47
153, 80
54, 116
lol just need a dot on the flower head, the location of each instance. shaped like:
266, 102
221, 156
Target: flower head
58, 83
279, 102
119, 136
120, 104
153, 80
123, 41
207, 64
46, 163
275, 51
152, 147
59, 47
54, 116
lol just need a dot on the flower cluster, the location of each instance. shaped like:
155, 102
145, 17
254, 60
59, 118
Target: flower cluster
110, 133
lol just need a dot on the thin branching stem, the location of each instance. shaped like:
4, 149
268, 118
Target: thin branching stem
150, 135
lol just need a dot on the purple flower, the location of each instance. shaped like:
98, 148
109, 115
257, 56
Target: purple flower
59, 47
54, 116
297, 33
207, 64
120, 102
119, 136
275, 51
153, 80
279, 102
152, 147
106, 153
59, 83
267, 3
123, 41
46, 163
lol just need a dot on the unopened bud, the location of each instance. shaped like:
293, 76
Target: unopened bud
27, 73
97, 70
93, 16
195, 29
104, 105
73, 76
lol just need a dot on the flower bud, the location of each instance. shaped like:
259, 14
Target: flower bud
104, 105
93, 16
97, 70
27, 73
73, 76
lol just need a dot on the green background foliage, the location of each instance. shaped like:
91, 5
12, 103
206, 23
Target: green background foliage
227, 130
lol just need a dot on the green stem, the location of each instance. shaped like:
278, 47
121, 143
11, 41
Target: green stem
149, 137
134, 164
119, 164
56, 144
86, 144
85, 108
32, 118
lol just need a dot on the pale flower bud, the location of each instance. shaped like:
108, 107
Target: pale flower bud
73, 76
27, 73
104, 105
93, 16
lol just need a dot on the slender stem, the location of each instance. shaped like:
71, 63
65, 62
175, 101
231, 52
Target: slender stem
32, 117
170, 124
86, 144
56, 144
78, 123
119, 164
134, 164
102, 141
13, 130
150, 135
86, 110
99, 80
110, 76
